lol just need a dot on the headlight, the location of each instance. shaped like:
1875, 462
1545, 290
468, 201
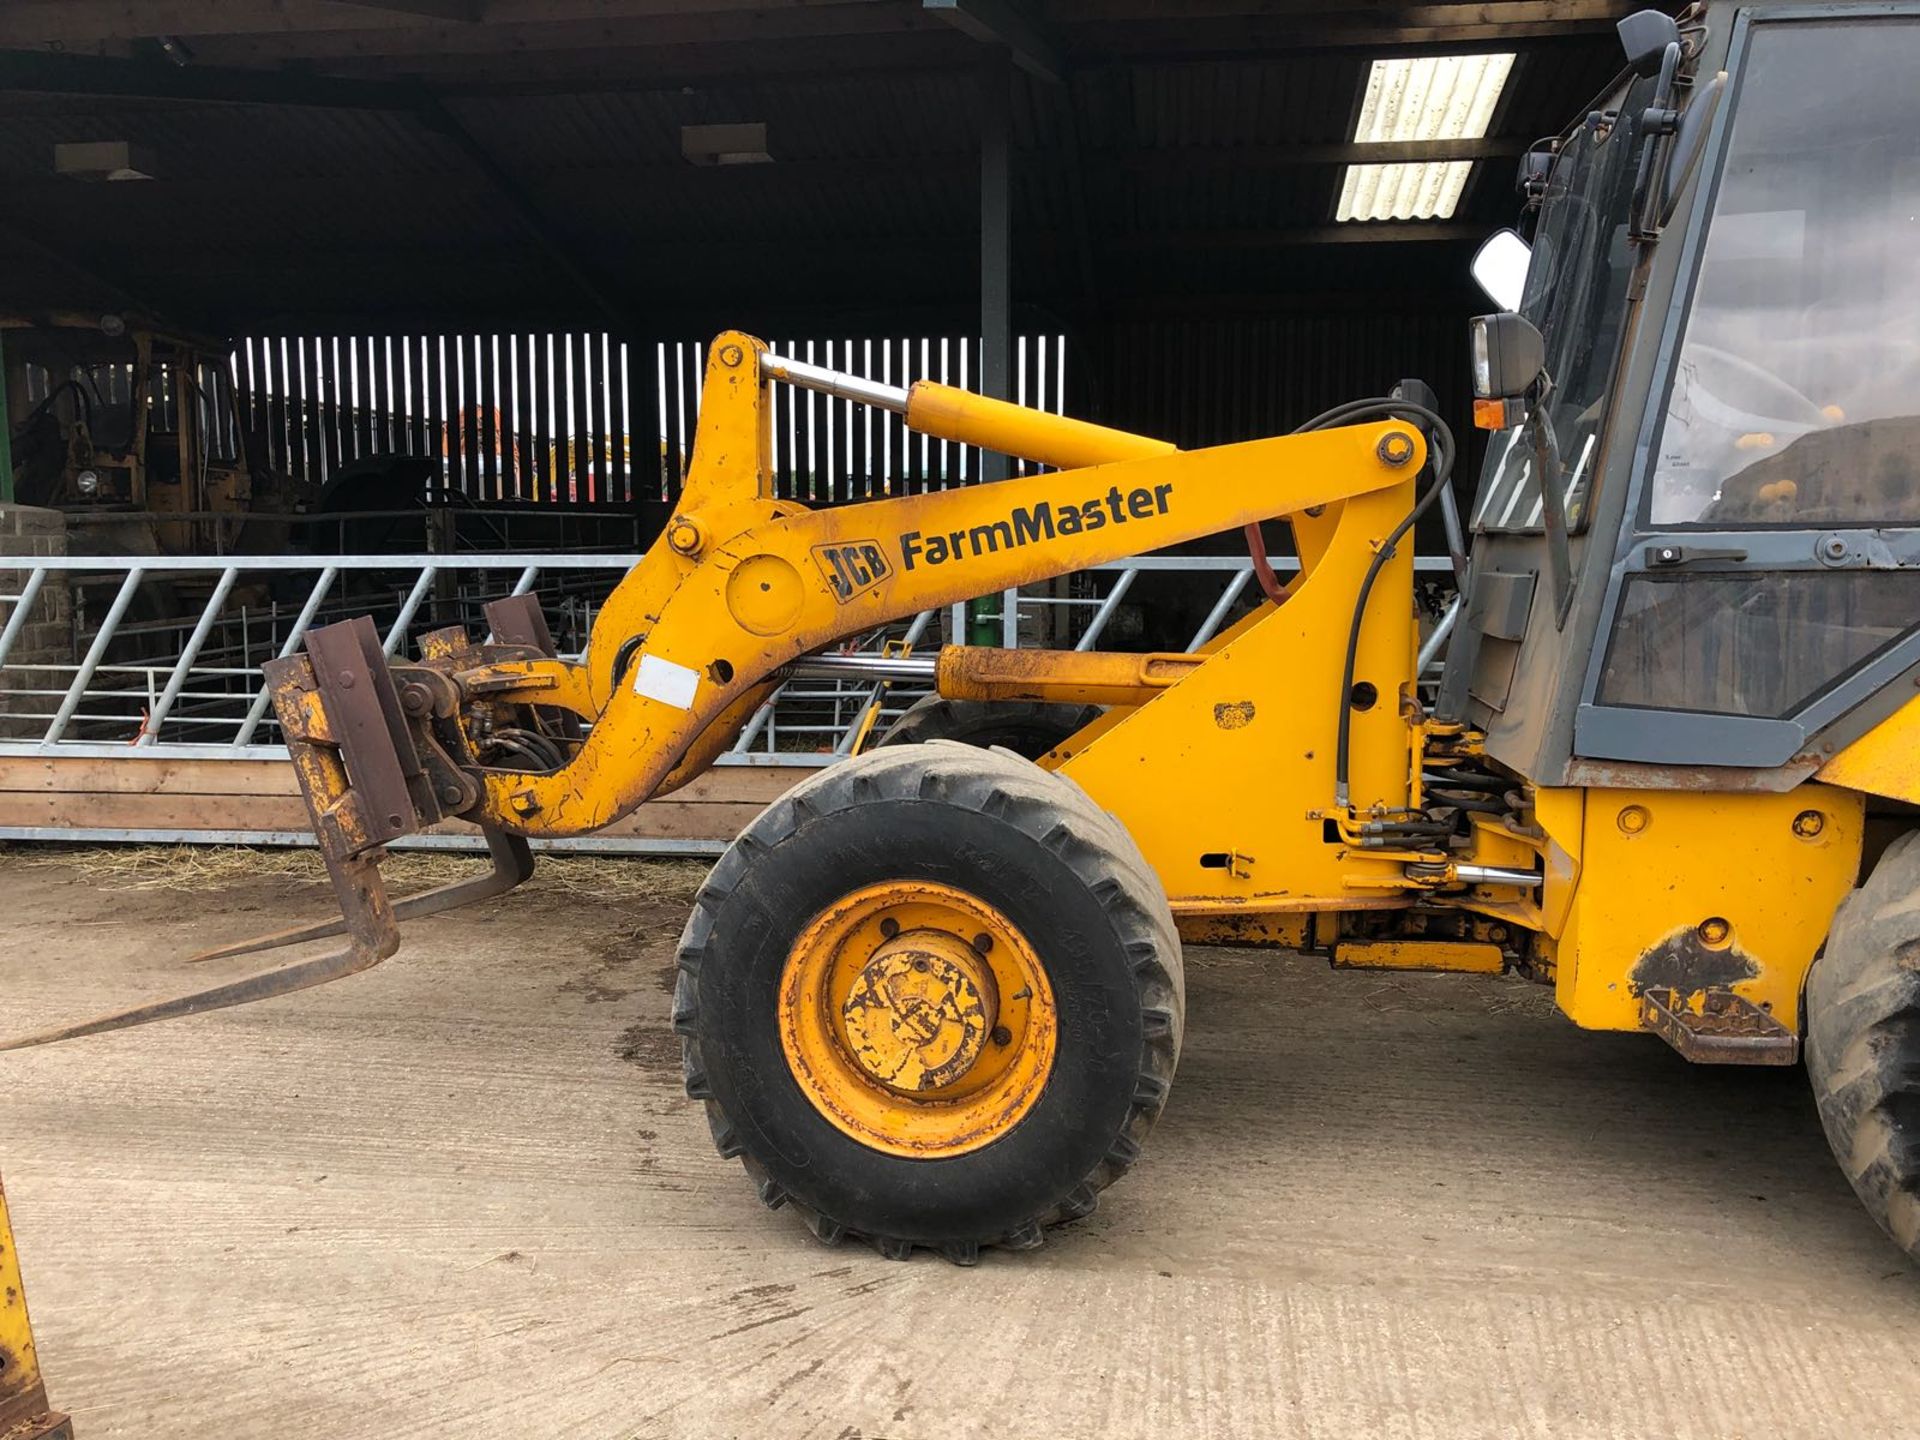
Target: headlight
1508, 355
87, 482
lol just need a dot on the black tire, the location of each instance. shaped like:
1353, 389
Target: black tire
1863, 1041
1029, 728
1026, 841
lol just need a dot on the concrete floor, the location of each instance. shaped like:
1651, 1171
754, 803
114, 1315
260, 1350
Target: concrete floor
463, 1196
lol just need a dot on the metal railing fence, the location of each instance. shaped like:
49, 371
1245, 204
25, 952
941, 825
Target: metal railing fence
161, 655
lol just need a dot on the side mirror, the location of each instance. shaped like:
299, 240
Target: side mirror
1499, 268
1509, 357
1690, 142
1645, 36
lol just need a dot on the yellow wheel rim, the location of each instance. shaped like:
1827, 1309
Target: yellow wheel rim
917, 1019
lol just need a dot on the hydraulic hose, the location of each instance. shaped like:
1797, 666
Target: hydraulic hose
1444, 451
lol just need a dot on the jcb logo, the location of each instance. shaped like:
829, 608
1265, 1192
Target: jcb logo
851, 568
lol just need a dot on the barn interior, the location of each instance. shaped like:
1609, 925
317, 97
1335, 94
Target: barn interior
353, 279
1154, 187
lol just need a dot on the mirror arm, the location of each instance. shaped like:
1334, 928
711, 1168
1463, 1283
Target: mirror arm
1657, 122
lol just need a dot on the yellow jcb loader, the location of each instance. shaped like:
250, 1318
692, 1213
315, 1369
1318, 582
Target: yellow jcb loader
932, 996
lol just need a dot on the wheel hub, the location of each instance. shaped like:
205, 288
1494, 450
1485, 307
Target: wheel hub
920, 1012
917, 1018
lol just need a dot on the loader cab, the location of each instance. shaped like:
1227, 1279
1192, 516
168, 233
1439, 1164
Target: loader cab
1725, 278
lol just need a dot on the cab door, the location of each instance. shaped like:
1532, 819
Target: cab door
1768, 577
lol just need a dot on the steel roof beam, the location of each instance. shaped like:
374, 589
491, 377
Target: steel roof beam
1001, 22
465, 12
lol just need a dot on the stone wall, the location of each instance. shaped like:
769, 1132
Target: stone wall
26, 530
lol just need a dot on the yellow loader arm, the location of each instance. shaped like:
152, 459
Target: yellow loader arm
739, 586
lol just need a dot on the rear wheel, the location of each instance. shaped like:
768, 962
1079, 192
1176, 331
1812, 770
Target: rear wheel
1029, 728
931, 997
1863, 1041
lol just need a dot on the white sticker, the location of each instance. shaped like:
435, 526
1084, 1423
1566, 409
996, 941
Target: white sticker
662, 680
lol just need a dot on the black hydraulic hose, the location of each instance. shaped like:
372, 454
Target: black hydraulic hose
1443, 457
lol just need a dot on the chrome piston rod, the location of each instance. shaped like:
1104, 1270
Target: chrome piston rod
862, 667
837, 383
1494, 875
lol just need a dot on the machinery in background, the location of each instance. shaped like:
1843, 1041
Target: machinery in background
117, 417
933, 996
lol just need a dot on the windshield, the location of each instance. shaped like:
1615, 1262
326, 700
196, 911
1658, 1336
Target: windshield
1796, 399
1576, 294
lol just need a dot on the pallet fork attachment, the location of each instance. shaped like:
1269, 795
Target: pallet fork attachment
355, 742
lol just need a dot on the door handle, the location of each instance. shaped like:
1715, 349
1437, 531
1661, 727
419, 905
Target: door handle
1666, 557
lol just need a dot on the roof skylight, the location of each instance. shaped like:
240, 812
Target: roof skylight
1430, 97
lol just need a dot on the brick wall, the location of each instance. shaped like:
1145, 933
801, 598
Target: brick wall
26, 530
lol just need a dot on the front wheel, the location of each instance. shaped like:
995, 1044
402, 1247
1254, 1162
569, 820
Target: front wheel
1863, 1041
1029, 728
932, 996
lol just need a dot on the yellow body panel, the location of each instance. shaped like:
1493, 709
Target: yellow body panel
1700, 890
1222, 779
1885, 761
1472, 957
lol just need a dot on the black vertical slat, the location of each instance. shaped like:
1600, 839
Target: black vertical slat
453, 441
659, 365
486, 419
415, 370
469, 412
859, 481
539, 412
272, 411
619, 484
385, 408
946, 454
442, 367
832, 449
642, 435
292, 410
250, 418
580, 452
902, 444
311, 416
586, 475
598, 424
813, 449
272, 442
783, 480
512, 383
277, 390
326, 349
371, 441
694, 371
